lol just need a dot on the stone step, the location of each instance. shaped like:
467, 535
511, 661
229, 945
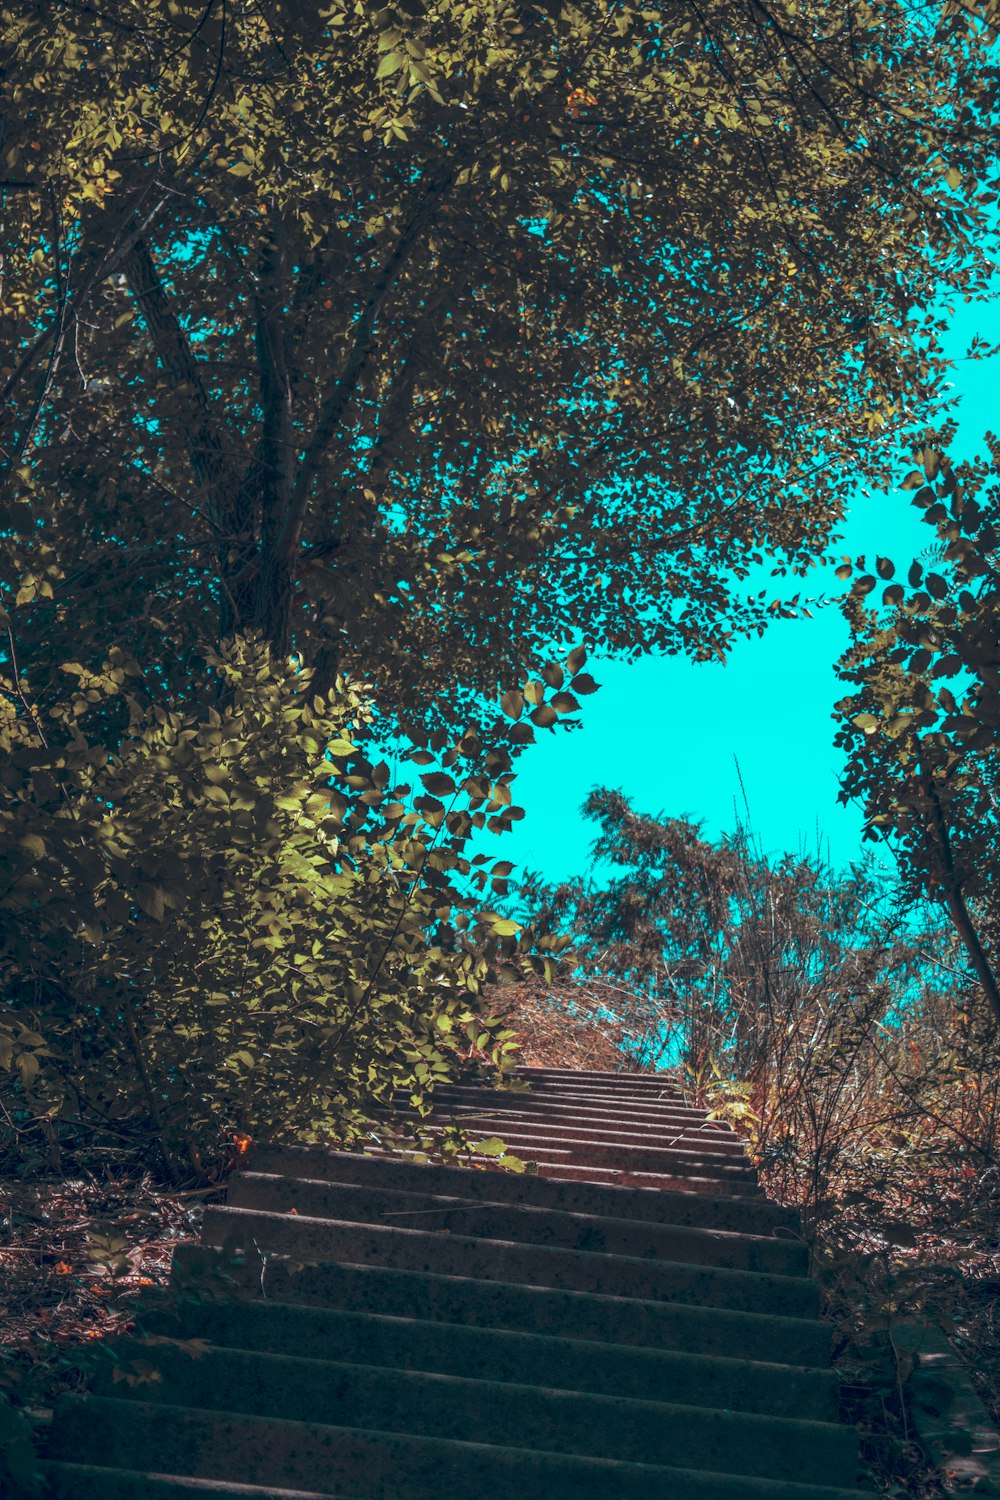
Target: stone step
756, 1216
537, 1142
506, 1305
509, 1355
630, 1318
333, 1393
368, 1203
729, 1152
380, 1465
565, 1166
597, 1090
70, 1481
594, 1077
568, 1170
568, 1087
617, 1129
551, 1106
305, 1238
651, 1107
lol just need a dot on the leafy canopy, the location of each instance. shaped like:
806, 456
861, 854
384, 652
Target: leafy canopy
420, 338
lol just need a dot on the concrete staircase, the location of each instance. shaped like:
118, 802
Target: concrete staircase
633, 1323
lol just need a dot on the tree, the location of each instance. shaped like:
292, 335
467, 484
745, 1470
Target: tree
921, 730
700, 948
424, 338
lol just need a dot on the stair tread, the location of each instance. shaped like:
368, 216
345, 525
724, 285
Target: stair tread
127, 1481
594, 1328
307, 1236
300, 1437
413, 1342
613, 1234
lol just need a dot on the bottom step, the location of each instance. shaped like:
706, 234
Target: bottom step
380, 1465
67, 1481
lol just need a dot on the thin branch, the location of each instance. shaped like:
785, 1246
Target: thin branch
18, 689
342, 392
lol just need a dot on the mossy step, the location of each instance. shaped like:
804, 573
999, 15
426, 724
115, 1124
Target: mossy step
507, 1305
305, 1238
510, 1355
379, 1465
369, 1203
430, 1404
754, 1215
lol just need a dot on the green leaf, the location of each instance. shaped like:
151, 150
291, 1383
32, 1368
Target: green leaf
391, 63
505, 927
584, 683
438, 784
544, 716
150, 899
492, 1146
512, 703
27, 1066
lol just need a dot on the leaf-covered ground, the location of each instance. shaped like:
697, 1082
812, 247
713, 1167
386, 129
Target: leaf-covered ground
74, 1255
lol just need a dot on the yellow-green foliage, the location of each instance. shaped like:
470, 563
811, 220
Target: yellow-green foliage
234, 922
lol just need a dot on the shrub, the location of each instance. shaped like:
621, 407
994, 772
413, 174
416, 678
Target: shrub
234, 923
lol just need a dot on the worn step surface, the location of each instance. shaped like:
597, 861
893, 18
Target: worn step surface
634, 1320
375, 1203
755, 1215
511, 1355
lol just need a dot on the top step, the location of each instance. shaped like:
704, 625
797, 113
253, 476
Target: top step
665, 1082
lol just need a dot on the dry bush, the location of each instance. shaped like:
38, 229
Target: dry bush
568, 1025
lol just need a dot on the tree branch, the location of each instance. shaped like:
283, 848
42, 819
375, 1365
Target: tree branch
104, 260
342, 392
211, 467
275, 457
956, 902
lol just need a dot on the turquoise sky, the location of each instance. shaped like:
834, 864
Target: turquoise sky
668, 732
